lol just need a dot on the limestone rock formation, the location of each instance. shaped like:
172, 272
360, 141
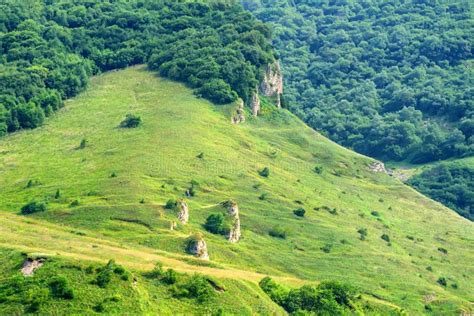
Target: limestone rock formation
30, 265
255, 103
197, 247
377, 166
272, 83
183, 214
239, 116
234, 233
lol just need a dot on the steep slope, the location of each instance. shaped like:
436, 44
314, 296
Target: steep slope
117, 186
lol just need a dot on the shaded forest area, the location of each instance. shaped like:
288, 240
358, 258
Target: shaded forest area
392, 79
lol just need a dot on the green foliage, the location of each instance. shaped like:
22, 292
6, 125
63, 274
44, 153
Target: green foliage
389, 79
450, 183
265, 172
217, 224
83, 143
299, 212
170, 277
50, 49
131, 121
57, 195
278, 232
60, 288
318, 169
442, 281
385, 237
363, 233
170, 204
196, 287
33, 207
328, 298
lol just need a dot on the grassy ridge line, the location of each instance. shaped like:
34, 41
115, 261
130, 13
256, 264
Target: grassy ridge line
41, 237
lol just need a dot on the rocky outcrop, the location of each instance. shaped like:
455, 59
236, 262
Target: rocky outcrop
377, 166
239, 116
197, 247
30, 265
183, 214
255, 103
272, 83
233, 212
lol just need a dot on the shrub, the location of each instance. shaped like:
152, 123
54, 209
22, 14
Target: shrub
217, 224
196, 287
385, 237
326, 248
429, 268
60, 289
363, 233
74, 203
131, 121
58, 194
263, 196
113, 175
318, 169
442, 281
443, 250
170, 276
265, 172
375, 213
83, 143
276, 292
299, 212
200, 156
278, 232
33, 207
170, 204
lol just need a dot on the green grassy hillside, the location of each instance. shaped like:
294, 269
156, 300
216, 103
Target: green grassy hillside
113, 192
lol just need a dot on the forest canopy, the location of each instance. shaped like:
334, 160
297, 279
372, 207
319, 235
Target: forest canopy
392, 79
451, 183
49, 49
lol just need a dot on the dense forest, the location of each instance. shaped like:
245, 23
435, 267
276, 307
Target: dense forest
392, 79
49, 49
451, 183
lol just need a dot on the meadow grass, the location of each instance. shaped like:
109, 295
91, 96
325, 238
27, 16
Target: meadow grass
131, 173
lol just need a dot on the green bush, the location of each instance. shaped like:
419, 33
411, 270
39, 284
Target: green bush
33, 207
385, 237
328, 298
131, 121
170, 277
299, 212
170, 204
278, 232
442, 281
363, 233
60, 289
196, 287
265, 172
217, 224
83, 143
318, 169
326, 248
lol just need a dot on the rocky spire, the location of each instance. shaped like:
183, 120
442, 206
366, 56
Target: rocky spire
272, 83
239, 116
255, 103
233, 212
183, 214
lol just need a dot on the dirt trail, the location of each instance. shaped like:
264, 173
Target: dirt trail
35, 236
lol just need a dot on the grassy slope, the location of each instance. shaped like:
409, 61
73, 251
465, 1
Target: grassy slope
157, 161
